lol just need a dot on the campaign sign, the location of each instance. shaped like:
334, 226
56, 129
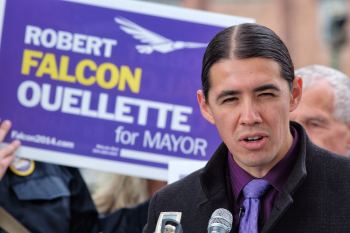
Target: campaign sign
108, 85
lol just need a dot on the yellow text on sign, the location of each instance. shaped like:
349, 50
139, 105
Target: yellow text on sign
86, 72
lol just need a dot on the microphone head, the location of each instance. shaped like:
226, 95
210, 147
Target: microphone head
220, 219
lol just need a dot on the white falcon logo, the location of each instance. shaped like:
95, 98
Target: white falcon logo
153, 41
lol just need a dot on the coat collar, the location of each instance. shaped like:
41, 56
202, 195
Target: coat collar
214, 180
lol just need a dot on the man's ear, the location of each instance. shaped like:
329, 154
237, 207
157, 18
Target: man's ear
296, 93
204, 107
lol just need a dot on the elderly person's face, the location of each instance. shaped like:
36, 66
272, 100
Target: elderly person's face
249, 102
315, 113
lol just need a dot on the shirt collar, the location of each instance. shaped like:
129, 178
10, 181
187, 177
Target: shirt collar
277, 176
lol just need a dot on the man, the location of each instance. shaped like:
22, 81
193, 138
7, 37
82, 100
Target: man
43, 197
248, 92
324, 110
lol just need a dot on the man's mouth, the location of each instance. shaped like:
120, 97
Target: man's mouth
253, 139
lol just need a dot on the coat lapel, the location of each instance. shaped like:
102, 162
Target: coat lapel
296, 178
215, 183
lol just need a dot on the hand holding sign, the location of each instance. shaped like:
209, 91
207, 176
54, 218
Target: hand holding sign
7, 152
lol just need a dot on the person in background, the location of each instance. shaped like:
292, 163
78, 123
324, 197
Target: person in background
121, 200
44, 197
324, 110
266, 172
111, 191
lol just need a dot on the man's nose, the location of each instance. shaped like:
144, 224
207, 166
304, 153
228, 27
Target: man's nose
250, 114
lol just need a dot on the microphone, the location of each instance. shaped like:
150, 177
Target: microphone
220, 221
169, 222
171, 226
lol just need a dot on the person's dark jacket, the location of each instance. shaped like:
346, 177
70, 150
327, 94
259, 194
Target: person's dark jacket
314, 199
126, 220
51, 199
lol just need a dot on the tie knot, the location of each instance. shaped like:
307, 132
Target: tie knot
255, 188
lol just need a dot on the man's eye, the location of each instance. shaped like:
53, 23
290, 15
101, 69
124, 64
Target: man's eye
267, 94
228, 100
314, 124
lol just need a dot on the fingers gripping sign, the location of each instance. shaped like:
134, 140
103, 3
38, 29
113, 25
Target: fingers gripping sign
7, 153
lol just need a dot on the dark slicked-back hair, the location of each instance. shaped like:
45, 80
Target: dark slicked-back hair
242, 41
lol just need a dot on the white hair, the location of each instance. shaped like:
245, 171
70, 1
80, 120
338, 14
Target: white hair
340, 83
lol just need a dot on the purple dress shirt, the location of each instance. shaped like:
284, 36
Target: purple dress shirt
277, 177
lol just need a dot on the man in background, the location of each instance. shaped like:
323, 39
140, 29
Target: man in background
324, 110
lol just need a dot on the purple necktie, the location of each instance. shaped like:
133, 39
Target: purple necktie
252, 193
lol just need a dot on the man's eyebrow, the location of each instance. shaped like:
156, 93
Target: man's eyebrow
227, 93
266, 87
316, 118
257, 89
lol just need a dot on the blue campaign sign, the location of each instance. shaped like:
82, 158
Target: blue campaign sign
106, 85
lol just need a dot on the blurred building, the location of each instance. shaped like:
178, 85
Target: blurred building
315, 31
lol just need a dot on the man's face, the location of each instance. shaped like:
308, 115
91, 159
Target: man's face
315, 113
249, 102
